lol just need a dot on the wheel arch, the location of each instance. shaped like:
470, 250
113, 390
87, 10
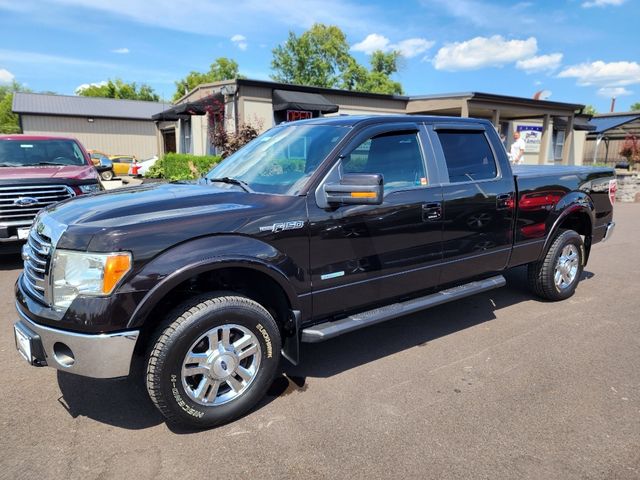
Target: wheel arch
575, 212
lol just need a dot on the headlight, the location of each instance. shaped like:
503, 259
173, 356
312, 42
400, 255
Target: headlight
92, 188
80, 273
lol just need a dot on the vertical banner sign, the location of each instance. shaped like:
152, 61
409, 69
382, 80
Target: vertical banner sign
293, 115
532, 136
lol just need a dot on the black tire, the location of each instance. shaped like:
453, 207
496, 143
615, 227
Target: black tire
184, 326
107, 175
541, 275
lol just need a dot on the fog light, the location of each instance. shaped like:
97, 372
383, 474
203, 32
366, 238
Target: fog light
63, 354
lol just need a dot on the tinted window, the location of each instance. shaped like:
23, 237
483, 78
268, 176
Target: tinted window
468, 156
26, 153
396, 156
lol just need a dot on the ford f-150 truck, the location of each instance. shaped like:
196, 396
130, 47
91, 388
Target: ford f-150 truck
314, 229
35, 172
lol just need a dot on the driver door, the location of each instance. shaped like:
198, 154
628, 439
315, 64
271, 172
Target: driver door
362, 255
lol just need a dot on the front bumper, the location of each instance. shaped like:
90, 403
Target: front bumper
105, 355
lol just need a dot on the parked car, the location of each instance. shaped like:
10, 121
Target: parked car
203, 287
146, 164
36, 172
122, 164
103, 164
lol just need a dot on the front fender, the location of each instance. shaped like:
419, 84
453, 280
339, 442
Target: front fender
178, 264
572, 203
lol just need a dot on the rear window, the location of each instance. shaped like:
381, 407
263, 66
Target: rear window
29, 153
468, 155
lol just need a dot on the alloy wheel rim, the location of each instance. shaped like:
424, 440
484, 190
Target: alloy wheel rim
566, 267
221, 365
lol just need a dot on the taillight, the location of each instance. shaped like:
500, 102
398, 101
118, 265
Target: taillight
613, 188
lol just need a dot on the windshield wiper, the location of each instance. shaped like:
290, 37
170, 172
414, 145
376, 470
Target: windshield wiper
8, 165
53, 163
233, 181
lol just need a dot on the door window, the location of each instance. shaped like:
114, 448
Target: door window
468, 155
396, 156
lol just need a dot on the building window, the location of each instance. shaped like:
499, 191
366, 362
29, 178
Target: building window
185, 131
558, 143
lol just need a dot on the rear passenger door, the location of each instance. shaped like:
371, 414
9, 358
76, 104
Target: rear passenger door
478, 209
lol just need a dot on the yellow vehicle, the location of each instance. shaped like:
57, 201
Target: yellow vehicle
122, 163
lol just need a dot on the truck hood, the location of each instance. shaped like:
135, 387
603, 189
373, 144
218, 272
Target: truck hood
157, 214
77, 172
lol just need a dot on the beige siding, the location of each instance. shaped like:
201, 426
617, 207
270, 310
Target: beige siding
130, 137
257, 112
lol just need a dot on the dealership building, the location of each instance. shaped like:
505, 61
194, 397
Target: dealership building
554, 132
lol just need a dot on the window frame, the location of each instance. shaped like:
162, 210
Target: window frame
429, 157
441, 158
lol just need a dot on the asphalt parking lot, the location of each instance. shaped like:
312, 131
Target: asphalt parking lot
500, 385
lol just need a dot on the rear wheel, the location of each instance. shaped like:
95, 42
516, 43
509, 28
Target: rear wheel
557, 275
214, 360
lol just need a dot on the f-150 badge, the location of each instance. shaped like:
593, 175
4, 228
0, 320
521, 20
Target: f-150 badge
282, 226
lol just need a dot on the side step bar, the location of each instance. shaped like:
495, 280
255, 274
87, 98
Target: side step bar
327, 330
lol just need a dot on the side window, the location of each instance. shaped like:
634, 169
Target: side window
396, 156
468, 155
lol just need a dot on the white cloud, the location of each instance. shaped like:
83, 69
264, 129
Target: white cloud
6, 76
541, 63
602, 3
240, 41
409, 48
84, 86
122, 51
248, 15
613, 92
613, 74
480, 52
371, 43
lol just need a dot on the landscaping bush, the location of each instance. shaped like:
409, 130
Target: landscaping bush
182, 166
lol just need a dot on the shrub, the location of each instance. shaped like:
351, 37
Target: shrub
182, 166
630, 149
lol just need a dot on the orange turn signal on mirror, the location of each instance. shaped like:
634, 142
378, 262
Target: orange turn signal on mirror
363, 194
116, 267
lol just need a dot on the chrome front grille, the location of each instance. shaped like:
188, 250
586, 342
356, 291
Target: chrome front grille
20, 204
37, 259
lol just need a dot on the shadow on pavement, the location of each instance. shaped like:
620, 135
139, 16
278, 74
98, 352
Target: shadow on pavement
124, 403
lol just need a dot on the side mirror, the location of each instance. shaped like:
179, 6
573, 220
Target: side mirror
355, 189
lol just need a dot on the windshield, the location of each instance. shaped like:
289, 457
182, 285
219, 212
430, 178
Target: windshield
281, 159
31, 153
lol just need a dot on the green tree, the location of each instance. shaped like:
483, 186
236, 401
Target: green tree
120, 89
590, 110
320, 57
635, 107
221, 69
9, 122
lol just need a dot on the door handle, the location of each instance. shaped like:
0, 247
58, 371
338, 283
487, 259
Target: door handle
431, 211
504, 201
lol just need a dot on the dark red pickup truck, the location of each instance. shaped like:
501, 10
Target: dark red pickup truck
37, 171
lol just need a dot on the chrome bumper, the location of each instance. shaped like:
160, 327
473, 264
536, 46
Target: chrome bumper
609, 231
106, 355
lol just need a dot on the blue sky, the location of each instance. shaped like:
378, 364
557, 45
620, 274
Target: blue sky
582, 51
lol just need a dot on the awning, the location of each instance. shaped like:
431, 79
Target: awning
579, 123
288, 100
185, 110
604, 124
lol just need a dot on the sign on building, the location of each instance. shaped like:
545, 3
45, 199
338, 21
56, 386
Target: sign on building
532, 136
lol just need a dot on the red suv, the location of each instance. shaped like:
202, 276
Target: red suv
36, 172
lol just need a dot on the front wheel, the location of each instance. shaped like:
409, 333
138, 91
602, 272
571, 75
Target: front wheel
557, 275
214, 360
107, 175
